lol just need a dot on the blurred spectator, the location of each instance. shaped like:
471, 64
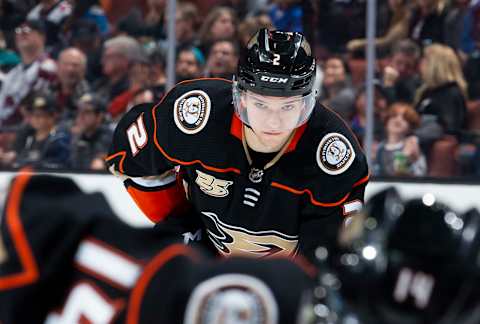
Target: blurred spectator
157, 73
220, 23
189, 64
47, 146
398, 29
222, 59
400, 154
250, 25
454, 23
91, 11
400, 76
470, 38
8, 58
358, 122
427, 23
149, 23
337, 90
139, 77
441, 98
90, 136
118, 54
85, 36
287, 15
12, 13
71, 85
186, 23
35, 73
53, 13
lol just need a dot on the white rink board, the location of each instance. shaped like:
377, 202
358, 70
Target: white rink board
460, 197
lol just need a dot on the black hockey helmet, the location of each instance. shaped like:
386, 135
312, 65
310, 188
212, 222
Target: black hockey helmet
414, 261
279, 64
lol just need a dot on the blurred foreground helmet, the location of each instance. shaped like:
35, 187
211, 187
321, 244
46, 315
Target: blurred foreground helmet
403, 262
278, 64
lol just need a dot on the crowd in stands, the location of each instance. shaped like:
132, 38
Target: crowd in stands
70, 69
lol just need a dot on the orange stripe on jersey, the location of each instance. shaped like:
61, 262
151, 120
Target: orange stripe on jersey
123, 154
307, 191
29, 273
133, 311
157, 205
361, 181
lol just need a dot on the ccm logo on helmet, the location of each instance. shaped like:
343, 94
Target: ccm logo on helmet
273, 79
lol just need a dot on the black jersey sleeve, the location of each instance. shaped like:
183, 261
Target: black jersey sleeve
39, 234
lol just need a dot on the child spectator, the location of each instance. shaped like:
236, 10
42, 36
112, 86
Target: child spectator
399, 154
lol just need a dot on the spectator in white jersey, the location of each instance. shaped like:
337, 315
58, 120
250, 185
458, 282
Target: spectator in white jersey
35, 72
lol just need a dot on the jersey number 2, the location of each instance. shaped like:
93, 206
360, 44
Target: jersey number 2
137, 135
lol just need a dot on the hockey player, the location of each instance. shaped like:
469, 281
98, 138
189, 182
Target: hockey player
266, 170
65, 258
403, 261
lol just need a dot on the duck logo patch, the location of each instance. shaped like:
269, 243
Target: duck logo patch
335, 154
191, 111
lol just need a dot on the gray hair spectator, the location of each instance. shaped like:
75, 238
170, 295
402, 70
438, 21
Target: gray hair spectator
36, 72
118, 54
90, 135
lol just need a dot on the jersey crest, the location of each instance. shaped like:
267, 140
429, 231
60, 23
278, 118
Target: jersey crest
229, 240
191, 111
335, 154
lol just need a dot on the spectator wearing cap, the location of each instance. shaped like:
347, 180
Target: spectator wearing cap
47, 146
338, 92
91, 137
36, 72
53, 13
222, 59
118, 55
71, 83
189, 64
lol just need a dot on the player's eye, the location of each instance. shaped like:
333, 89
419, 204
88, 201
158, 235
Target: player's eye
260, 105
288, 107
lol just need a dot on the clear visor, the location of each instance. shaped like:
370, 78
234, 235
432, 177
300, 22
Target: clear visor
269, 113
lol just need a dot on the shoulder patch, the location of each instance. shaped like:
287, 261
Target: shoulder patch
191, 111
335, 154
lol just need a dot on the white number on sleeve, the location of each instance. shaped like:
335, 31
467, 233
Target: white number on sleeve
137, 135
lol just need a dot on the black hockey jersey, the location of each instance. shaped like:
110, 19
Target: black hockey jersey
65, 258
300, 201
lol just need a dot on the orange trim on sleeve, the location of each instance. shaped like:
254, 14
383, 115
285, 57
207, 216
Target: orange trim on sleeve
157, 205
29, 273
123, 154
361, 181
138, 292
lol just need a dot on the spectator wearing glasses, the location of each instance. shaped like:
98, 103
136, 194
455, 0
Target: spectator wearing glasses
36, 72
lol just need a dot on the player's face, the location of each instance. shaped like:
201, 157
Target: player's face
273, 118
